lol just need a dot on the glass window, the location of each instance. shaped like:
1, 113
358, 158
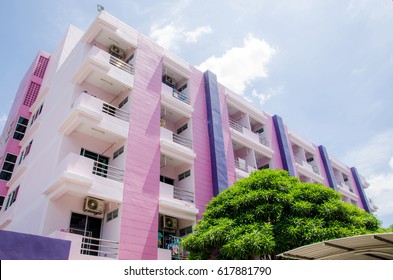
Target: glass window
20, 128
8, 167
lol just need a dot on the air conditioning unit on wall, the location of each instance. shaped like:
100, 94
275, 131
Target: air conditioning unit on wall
116, 51
169, 80
94, 205
168, 222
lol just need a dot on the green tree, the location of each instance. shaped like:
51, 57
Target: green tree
271, 212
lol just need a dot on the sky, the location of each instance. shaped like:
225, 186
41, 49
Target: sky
325, 67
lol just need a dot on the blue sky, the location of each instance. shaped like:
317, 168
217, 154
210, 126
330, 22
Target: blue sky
325, 68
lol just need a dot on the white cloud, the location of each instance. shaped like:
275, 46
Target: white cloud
3, 120
374, 160
239, 66
381, 191
373, 156
265, 96
171, 34
193, 36
165, 36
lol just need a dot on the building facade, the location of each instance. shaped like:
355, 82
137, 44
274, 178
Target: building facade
123, 144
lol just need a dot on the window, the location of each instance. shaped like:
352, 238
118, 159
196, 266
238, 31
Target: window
259, 131
118, 152
182, 128
20, 128
12, 198
266, 166
184, 175
25, 152
8, 167
125, 100
310, 159
167, 180
183, 87
185, 231
1, 202
112, 215
36, 114
100, 167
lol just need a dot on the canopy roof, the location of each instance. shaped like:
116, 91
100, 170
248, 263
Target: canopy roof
362, 247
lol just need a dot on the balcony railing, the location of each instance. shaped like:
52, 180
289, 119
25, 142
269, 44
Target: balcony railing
96, 246
182, 194
172, 243
305, 164
263, 140
241, 164
121, 65
115, 112
181, 96
343, 185
182, 140
235, 125
107, 171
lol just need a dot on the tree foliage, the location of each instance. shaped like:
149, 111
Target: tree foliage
271, 212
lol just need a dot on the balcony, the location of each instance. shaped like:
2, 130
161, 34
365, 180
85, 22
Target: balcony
81, 177
94, 117
250, 139
170, 249
176, 101
177, 146
347, 190
308, 170
84, 247
105, 71
373, 206
243, 170
177, 200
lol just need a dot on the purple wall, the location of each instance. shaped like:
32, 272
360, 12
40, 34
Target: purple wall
21, 246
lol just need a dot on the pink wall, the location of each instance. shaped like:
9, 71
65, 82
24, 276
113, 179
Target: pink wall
202, 163
140, 208
18, 109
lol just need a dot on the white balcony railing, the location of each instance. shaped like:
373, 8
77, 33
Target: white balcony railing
182, 140
241, 164
181, 96
96, 246
345, 187
115, 112
305, 164
108, 171
235, 125
182, 194
248, 133
121, 65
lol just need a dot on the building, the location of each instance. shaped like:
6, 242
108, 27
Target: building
121, 144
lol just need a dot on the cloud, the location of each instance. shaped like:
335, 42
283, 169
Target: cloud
3, 120
192, 36
165, 36
374, 160
170, 35
372, 157
265, 96
381, 191
238, 67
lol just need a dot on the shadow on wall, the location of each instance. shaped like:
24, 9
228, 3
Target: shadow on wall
21, 246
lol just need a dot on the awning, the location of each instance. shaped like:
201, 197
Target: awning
362, 247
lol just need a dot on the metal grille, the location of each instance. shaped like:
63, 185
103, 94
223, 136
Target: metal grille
41, 67
31, 94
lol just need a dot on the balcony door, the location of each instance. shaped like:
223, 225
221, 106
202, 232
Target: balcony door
89, 227
100, 162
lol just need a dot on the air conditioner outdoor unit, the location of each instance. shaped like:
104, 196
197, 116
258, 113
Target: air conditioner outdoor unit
169, 80
94, 205
168, 222
116, 51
